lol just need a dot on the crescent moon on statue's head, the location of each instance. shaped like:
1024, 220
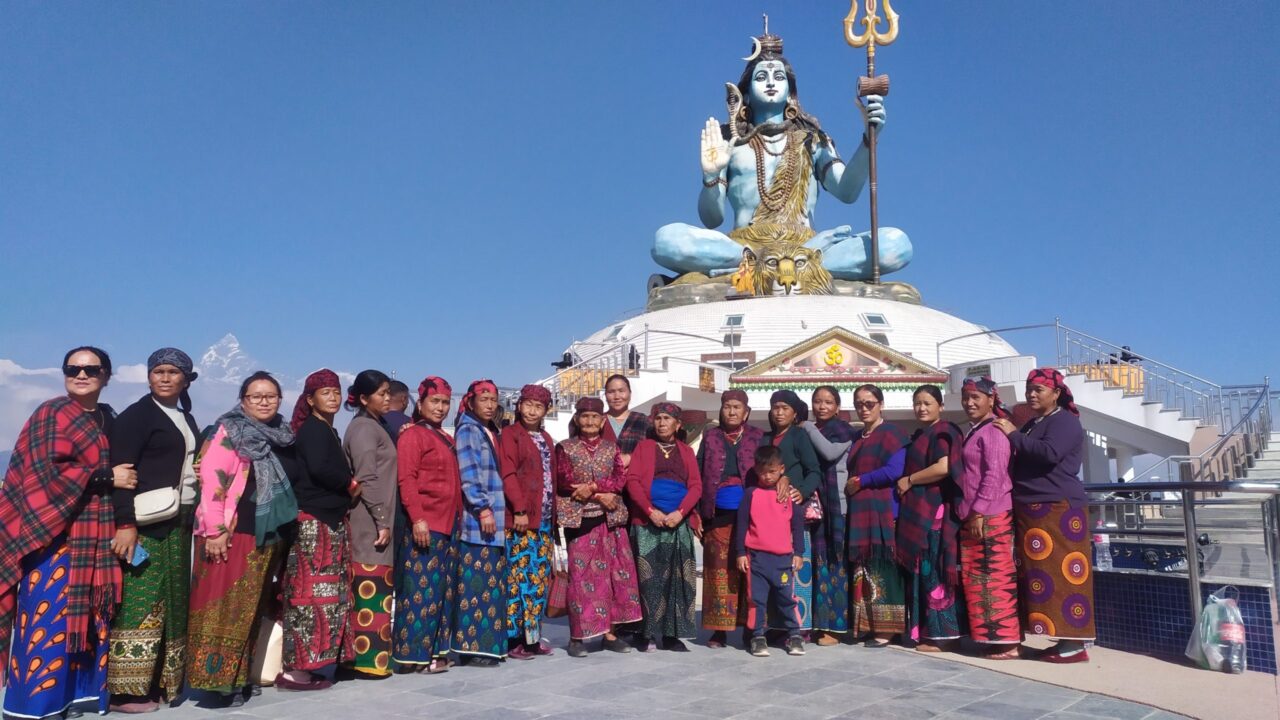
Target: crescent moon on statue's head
755, 50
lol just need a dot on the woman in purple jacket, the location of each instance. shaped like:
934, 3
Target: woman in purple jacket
1051, 512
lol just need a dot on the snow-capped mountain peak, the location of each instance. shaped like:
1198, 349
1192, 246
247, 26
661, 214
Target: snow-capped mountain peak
226, 361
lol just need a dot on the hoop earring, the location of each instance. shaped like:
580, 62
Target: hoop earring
793, 109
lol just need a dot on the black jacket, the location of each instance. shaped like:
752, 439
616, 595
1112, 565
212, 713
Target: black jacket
323, 474
145, 436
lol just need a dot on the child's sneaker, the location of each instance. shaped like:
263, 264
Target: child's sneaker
795, 645
760, 647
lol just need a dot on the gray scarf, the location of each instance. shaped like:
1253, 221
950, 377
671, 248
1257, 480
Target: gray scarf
275, 502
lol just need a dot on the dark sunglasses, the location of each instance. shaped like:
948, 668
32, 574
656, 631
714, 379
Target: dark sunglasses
866, 404
92, 371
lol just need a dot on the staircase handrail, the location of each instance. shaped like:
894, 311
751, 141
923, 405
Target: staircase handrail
1144, 358
1258, 412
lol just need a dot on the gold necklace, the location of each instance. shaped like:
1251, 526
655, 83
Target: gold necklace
666, 448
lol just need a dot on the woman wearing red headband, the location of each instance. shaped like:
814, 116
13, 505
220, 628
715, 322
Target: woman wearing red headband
603, 592
431, 495
986, 537
525, 454
1052, 515
317, 595
480, 619
372, 454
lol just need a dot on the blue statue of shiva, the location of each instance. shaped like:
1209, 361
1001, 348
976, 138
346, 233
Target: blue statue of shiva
769, 160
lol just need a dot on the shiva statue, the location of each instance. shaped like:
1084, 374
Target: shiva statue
769, 160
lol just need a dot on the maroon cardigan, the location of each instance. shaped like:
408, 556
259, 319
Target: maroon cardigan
639, 479
521, 465
430, 487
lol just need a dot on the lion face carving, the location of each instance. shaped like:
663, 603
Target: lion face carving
786, 269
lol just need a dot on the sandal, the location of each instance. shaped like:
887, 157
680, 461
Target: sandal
1010, 654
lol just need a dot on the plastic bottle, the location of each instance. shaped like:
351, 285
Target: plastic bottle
1231, 638
1101, 549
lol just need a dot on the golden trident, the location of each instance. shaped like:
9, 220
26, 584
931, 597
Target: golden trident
872, 85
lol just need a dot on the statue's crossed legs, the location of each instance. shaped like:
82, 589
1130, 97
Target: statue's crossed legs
846, 255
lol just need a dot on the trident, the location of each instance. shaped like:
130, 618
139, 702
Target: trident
872, 85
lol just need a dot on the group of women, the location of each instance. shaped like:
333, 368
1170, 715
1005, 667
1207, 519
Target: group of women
927, 537
136, 559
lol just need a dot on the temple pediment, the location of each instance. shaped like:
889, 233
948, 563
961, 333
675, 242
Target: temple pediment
838, 357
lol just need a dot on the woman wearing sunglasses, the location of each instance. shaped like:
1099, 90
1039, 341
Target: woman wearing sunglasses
156, 434
59, 574
875, 464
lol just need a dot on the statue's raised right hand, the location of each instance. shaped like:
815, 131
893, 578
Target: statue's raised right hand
715, 149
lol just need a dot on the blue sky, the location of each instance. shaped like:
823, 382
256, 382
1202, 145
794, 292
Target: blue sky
463, 188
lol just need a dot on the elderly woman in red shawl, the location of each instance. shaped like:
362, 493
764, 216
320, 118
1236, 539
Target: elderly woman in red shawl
316, 591
603, 592
1051, 511
57, 571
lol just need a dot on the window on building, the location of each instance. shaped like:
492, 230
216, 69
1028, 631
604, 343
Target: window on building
880, 338
732, 339
615, 332
732, 323
875, 321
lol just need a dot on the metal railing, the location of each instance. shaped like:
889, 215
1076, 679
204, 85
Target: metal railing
1236, 449
624, 356
1119, 366
1268, 492
1189, 394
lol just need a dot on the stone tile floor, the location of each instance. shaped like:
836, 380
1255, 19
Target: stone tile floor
838, 682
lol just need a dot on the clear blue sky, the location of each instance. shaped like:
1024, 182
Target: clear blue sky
463, 188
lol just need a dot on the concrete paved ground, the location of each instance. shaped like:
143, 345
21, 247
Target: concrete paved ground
839, 682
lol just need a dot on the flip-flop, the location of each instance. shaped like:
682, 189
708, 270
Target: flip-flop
1003, 655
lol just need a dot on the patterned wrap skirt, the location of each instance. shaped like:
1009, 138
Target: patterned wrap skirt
830, 581
879, 596
317, 597
480, 589
227, 601
990, 582
373, 588
149, 632
668, 575
528, 581
802, 586
603, 590
934, 611
424, 599
1055, 579
43, 679
722, 583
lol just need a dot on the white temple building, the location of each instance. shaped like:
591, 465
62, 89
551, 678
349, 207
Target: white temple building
689, 354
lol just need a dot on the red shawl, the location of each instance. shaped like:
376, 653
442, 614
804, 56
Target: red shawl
869, 522
919, 506
47, 493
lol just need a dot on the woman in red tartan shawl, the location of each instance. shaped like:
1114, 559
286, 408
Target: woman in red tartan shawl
58, 577
928, 528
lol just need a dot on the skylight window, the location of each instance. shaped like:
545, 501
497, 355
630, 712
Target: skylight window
875, 321
615, 332
733, 321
